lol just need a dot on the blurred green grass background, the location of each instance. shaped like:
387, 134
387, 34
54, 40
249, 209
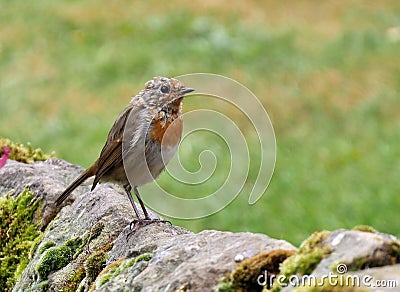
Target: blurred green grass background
328, 73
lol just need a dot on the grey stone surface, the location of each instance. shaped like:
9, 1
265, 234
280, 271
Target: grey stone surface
162, 257
46, 179
350, 246
359, 260
380, 279
178, 258
194, 262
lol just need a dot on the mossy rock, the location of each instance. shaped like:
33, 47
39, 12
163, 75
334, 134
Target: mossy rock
57, 257
74, 280
365, 228
388, 254
46, 246
95, 264
307, 257
115, 268
18, 231
54, 259
253, 273
112, 270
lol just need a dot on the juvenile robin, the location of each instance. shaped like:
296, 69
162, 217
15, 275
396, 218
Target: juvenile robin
141, 142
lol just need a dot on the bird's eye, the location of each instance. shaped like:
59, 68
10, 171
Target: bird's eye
164, 89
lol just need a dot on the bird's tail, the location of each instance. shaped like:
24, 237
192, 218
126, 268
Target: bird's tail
77, 182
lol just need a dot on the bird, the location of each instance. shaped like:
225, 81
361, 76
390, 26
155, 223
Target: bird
5, 156
141, 142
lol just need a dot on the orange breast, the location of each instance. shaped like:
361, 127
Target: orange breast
166, 134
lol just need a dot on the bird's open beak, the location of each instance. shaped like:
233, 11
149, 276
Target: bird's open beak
185, 90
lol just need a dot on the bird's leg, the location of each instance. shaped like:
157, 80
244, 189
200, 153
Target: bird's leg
147, 220
128, 188
146, 214
139, 222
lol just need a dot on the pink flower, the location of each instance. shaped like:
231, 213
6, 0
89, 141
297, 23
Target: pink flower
5, 156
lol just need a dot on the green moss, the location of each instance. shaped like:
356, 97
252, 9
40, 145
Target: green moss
35, 244
245, 276
56, 258
143, 257
95, 264
365, 228
18, 232
225, 287
308, 256
105, 279
114, 269
109, 272
77, 244
42, 287
396, 249
24, 154
74, 243
21, 267
46, 246
74, 280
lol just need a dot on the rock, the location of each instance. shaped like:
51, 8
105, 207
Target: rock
385, 278
358, 250
86, 246
192, 262
47, 179
348, 259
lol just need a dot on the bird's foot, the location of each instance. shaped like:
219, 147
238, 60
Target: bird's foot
136, 224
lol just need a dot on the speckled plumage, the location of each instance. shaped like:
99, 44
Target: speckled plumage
141, 141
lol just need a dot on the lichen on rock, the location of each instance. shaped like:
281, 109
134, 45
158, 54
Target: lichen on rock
308, 256
119, 266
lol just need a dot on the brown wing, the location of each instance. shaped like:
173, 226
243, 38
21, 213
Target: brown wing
111, 154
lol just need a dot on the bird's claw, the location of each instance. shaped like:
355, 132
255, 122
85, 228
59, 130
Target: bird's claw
136, 224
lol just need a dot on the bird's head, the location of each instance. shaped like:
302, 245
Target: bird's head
162, 91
